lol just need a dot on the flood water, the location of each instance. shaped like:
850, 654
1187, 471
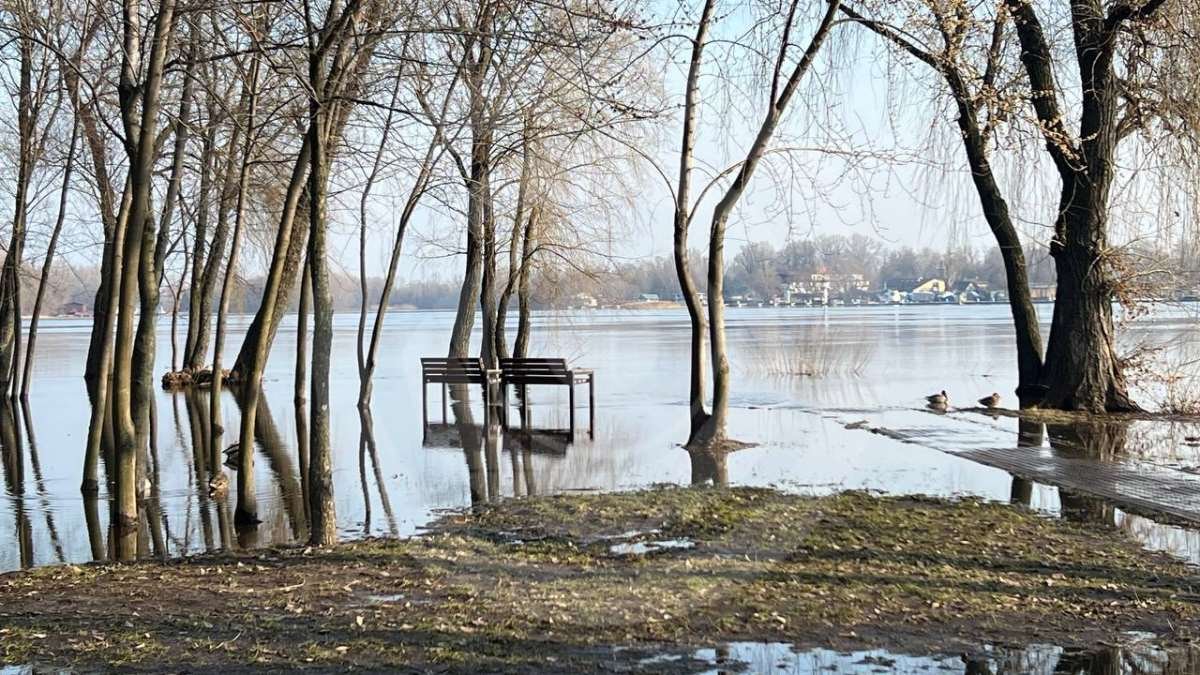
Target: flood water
868, 366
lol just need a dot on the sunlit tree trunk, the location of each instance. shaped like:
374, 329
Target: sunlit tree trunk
51, 248
246, 513
697, 383
476, 179
139, 110
524, 299
10, 278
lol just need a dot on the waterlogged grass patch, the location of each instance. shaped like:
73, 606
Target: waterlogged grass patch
534, 585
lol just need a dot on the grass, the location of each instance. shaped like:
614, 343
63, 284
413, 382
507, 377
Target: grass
531, 586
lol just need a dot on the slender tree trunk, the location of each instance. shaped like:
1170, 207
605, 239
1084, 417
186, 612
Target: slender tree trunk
10, 281
216, 254
995, 211
246, 513
469, 296
51, 247
528, 247
139, 122
477, 67
682, 219
323, 531
301, 380
194, 358
714, 429
365, 369
514, 261
322, 516
487, 286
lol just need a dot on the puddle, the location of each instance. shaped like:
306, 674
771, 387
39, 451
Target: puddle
648, 547
1136, 653
384, 599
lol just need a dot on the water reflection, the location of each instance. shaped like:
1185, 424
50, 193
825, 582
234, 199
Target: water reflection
13, 463
1135, 656
388, 481
368, 447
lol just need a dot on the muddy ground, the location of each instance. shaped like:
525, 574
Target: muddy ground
534, 585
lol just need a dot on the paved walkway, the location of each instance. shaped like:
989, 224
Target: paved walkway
1135, 486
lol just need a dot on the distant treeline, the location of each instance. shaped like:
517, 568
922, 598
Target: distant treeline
758, 268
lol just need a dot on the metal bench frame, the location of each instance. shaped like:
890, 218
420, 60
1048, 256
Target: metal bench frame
523, 372
451, 370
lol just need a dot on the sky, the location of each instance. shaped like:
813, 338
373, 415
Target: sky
871, 151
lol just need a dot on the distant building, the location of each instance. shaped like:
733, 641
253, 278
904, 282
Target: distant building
648, 297
819, 288
917, 290
75, 309
584, 301
973, 290
1043, 292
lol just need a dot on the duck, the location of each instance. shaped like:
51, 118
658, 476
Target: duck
990, 401
233, 456
940, 398
218, 485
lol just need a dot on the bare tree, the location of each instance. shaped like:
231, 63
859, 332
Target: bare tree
708, 429
967, 51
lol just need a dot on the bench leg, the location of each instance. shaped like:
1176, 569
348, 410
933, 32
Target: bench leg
444, 390
572, 399
524, 406
424, 404
592, 406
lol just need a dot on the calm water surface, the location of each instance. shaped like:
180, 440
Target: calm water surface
871, 363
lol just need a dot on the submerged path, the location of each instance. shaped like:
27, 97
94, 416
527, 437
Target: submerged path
1145, 467
1143, 488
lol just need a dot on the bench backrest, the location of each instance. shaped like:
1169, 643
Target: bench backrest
534, 371
453, 370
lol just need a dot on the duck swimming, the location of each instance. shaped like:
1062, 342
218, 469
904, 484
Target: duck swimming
990, 401
940, 398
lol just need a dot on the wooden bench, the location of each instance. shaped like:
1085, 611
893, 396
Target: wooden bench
523, 372
447, 371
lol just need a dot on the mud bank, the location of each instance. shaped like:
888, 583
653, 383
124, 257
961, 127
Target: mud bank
586, 582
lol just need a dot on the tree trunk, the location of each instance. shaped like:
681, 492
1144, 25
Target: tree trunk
1082, 370
995, 211
202, 313
477, 188
469, 296
487, 287
323, 531
139, 111
246, 513
193, 357
301, 380
514, 261
10, 279
528, 248
51, 247
697, 383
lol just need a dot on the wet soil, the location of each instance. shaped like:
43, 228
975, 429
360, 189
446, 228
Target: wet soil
534, 585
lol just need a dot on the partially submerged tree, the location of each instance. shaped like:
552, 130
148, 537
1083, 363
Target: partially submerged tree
787, 68
968, 50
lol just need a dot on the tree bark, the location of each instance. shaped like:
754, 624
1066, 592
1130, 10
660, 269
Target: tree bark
1082, 370
697, 383
991, 198
51, 248
139, 111
246, 513
528, 248
10, 278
